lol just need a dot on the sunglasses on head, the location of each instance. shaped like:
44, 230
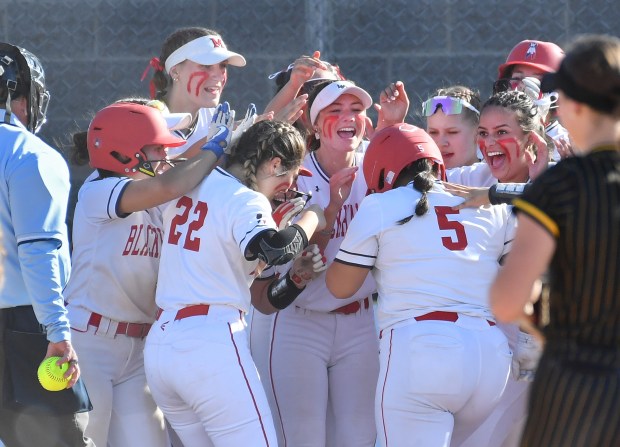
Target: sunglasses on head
448, 104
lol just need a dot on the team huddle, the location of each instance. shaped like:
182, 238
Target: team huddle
306, 277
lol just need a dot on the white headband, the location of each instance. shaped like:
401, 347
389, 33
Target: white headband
332, 92
206, 50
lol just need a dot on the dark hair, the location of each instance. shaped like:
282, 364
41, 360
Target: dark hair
79, 151
424, 172
285, 75
174, 41
264, 141
467, 94
593, 62
526, 111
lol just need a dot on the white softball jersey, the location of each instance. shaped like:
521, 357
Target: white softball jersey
199, 131
316, 296
461, 247
207, 232
478, 174
115, 256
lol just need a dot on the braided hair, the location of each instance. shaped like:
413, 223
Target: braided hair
261, 143
424, 173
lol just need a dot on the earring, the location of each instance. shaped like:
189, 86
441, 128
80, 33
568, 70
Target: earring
316, 134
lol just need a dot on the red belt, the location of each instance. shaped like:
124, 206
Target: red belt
189, 311
135, 330
439, 315
351, 308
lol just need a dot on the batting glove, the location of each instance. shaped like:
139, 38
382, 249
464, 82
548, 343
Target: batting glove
246, 123
525, 358
286, 211
307, 265
220, 130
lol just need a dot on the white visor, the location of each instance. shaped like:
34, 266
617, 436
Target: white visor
174, 121
332, 92
206, 50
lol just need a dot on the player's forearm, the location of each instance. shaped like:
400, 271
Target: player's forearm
45, 273
322, 237
282, 98
175, 182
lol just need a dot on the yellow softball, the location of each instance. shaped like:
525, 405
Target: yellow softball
51, 376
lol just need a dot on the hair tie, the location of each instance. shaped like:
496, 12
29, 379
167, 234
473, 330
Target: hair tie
290, 67
157, 66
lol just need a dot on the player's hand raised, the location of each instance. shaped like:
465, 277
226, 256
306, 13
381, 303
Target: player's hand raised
286, 211
220, 130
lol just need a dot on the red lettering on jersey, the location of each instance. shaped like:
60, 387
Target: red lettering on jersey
344, 217
459, 241
217, 43
130, 240
145, 246
148, 247
135, 250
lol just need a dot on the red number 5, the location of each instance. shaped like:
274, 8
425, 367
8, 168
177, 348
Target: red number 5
444, 224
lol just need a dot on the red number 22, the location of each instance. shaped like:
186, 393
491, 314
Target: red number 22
200, 211
444, 224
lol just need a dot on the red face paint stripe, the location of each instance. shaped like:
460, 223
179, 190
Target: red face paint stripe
202, 78
328, 126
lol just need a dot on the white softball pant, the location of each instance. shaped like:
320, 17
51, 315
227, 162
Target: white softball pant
203, 378
438, 377
324, 365
112, 366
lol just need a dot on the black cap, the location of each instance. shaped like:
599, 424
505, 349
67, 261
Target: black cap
562, 80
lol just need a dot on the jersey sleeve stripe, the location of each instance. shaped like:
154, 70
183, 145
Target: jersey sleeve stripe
538, 215
357, 254
369, 267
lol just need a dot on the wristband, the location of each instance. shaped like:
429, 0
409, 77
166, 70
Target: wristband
282, 292
506, 192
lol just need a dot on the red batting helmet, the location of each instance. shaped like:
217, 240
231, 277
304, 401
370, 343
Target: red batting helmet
118, 134
544, 56
393, 149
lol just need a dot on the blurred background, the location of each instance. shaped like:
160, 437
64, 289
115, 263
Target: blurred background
95, 51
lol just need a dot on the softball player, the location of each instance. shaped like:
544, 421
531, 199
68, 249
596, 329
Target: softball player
509, 138
117, 242
452, 116
189, 77
444, 363
323, 351
525, 66
197, 359
568, 222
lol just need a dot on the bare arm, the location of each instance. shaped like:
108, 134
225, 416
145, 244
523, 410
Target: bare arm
303, 70
517, 281
344, 280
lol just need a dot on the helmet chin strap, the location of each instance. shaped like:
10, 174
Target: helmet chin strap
7, 114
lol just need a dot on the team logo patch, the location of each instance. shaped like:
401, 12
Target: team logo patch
531, 51
217, 43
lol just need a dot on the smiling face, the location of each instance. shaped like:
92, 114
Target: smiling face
455, 136
342, 124
503, 143
200, 85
